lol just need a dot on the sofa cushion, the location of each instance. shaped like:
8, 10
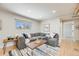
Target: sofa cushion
25, 35
21, 43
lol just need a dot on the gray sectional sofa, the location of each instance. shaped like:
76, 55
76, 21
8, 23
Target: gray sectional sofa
21, 46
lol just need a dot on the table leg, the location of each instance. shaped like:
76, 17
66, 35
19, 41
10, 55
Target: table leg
32, 52
4, 48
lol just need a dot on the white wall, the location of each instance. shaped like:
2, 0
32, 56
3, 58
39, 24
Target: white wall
76, 22
9, 27
8, 24
54, 25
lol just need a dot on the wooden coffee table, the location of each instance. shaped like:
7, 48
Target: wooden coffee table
33, 45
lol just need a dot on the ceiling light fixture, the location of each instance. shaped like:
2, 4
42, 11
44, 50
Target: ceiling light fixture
53, 11
40, 16
29, 11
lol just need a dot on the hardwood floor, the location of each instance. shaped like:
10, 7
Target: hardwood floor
7, 50
67, 48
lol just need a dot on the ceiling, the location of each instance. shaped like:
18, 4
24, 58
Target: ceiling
40, 11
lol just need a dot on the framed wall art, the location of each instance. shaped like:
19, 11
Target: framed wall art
0, 24
46, 28
23, 24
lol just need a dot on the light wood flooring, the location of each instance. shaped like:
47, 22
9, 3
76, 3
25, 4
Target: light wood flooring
67, 48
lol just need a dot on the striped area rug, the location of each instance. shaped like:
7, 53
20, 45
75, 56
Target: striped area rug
43, 50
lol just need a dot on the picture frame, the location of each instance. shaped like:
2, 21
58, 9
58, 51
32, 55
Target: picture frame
46, 28
23, 24
0, 25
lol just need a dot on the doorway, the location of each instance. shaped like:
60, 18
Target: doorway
68, 29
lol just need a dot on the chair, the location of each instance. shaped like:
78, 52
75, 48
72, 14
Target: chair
20, 44
54, 40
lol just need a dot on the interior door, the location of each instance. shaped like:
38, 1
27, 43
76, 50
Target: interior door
68, 29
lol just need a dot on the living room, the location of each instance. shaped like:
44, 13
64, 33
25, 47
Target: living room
42, 21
